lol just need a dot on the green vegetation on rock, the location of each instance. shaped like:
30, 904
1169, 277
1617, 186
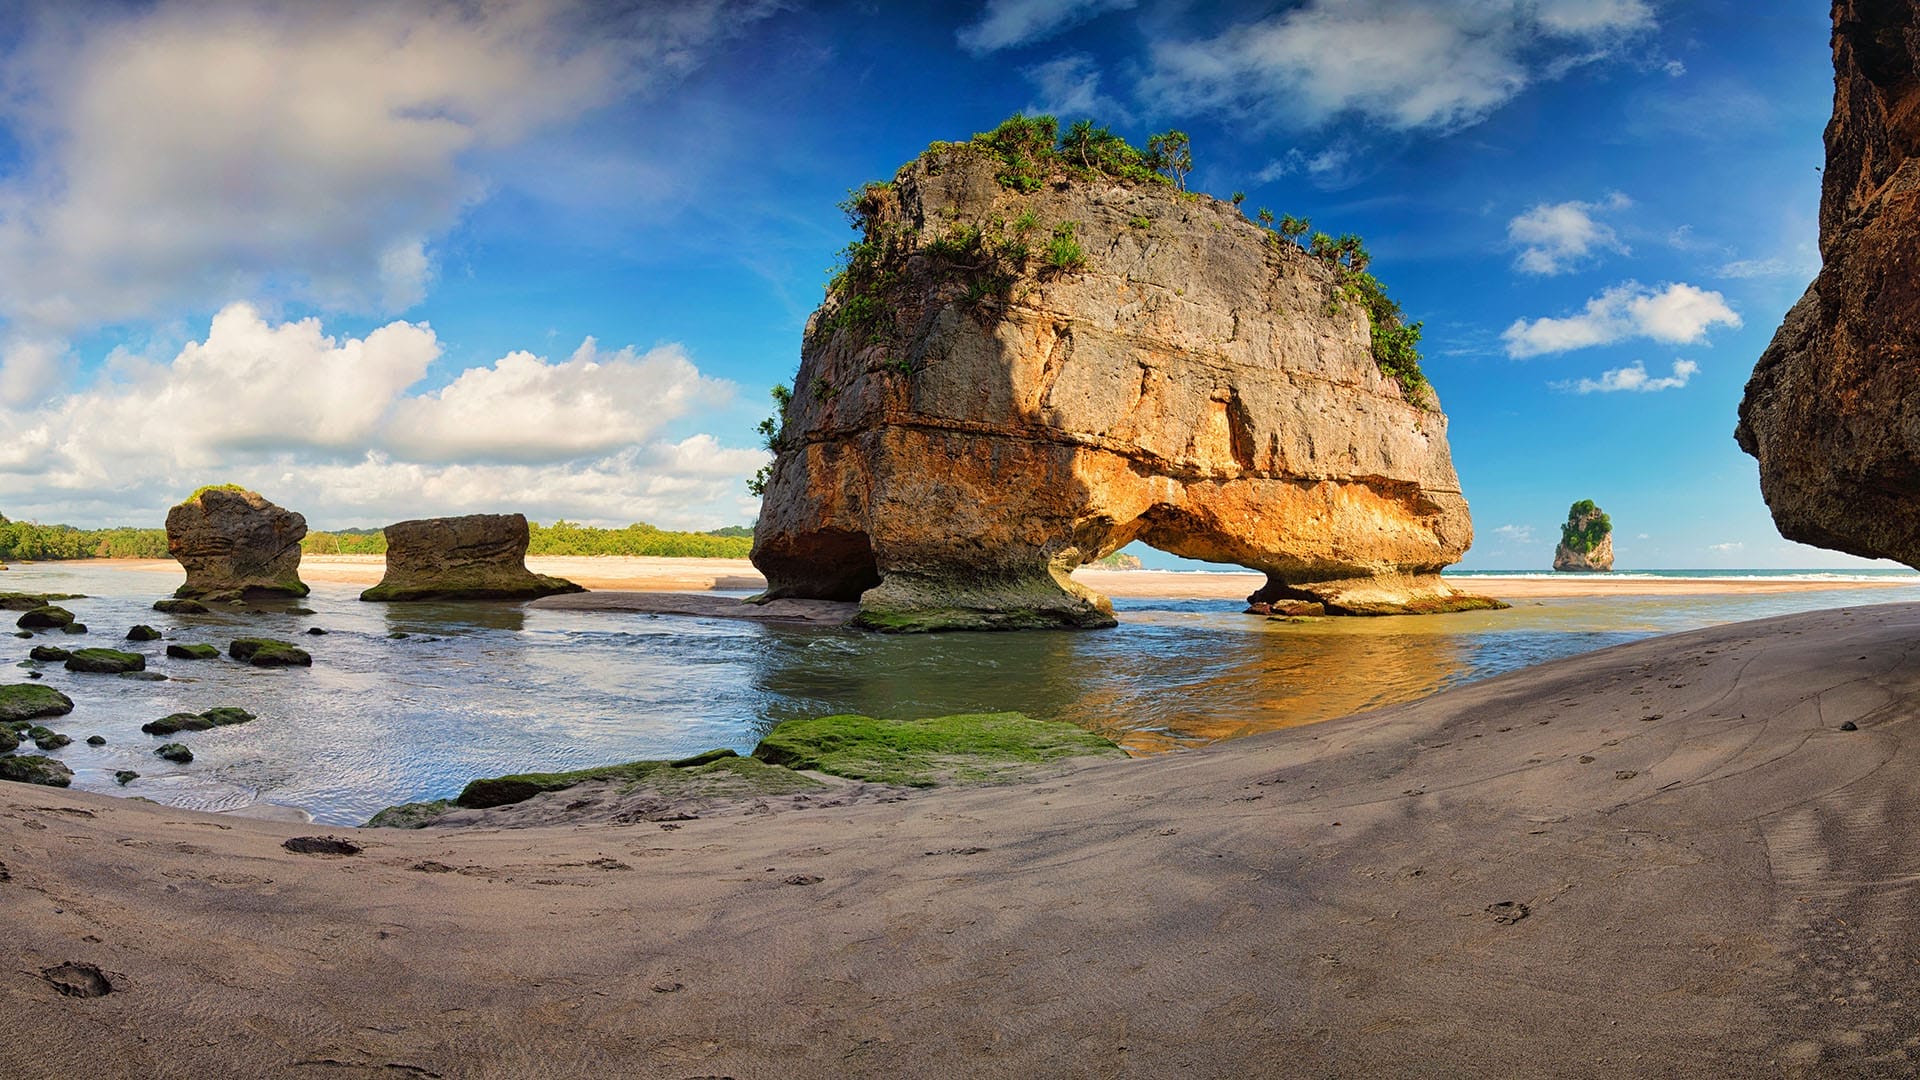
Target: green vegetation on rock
47, 617
48, 652
105, 661
668, 777
24, 601
969, 748
143, 632
178, 753
1585, 527
200, 651
219, 716
180, 607
34, 769
268, 652
30, 701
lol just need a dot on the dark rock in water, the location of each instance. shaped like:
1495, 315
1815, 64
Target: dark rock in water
143, 676
267, 652
180, 607
49, 652
9, 742
398, 635
219, 716
33, 675
315, 631
78, 980
45, 618
25, 701
34, 769
123, 777
105, 661
321, 845
143, 632
74, 628
20, 601
49, 740
299, 611
23, 633
96, 740
175, 752
413, 815
200, 651
477, 557
234, 544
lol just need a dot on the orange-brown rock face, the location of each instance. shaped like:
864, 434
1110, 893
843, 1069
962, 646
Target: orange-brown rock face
1833, 409
972, 420
235, 544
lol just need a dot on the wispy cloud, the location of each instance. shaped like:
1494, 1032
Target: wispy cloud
1675, 314
1634, 378
1069, 88
1403, 64
1515, 534
1556, 237
1007, 24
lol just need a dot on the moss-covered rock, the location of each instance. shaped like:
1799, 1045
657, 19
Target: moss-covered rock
200, 651
96, 740
47, 738
267, 652
413, 815
969, 748
27, 701
123, 777
174, 752
49, 652
9, 742
44, 618
25, 601
143, 632
174, 606
219, 716
105, 661
74, 628
716, 770
34, 769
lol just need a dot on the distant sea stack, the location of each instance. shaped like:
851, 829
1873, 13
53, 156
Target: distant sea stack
477, 557
1586, 540
1039, 353
1830, 410
235, 545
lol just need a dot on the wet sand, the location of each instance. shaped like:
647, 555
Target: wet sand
648, 574
1661, 859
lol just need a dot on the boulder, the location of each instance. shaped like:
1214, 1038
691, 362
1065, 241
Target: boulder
21, 601
123, 777
199, 651
105, 661
34, 769
1829, 411
9, 742
74, 628
48, 652
48, 739
180, 607
476, 557
234, 544
1586, 540
143, 632
174, 752
220, 716
267, 652
30, 701
1006, 385
45, 618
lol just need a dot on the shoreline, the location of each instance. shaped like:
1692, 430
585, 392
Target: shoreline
1365, 889
633, 573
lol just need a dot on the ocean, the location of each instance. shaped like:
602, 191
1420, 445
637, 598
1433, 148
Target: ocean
485, 690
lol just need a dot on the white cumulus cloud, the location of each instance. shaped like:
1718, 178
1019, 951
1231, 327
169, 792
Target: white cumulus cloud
1677, 313
1634, 378
1515, 534
1555, 237
1404, 64
1005, 24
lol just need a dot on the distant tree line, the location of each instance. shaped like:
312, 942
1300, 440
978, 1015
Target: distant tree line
25, 540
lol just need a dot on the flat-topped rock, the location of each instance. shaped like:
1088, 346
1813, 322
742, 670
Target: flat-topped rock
476, 557
234, 544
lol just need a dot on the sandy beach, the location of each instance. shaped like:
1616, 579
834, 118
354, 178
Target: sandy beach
1666, 858
646, 574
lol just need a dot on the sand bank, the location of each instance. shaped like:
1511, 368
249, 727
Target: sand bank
1660, 859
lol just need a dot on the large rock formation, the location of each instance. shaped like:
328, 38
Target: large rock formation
1586, 540
1004, 386
235, 544
477, 557
1833, 409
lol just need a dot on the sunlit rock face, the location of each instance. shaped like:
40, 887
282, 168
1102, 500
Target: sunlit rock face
1833, 409
476, 557
969, 425
234, 544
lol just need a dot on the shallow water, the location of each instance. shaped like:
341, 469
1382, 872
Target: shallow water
487, 689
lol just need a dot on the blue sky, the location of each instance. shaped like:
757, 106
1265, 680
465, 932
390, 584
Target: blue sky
385, 260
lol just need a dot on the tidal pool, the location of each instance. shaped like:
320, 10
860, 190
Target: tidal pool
486, 689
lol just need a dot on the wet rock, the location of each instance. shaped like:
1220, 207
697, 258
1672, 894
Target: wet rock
222, 716
321, 845
314, 631
9, 742
415, 815
180, 607
45, 618
123, 777
23, 601
74, 628
49, 652
200, 651
96, 740
174, 752
476, 557
268, 652
34, 769
235, 544
142, 676
27, 701
300, 611
105, 661
143, 632
23, 633
48, 739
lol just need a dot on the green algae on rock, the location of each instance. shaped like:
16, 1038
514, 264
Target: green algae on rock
35, 769
201, 651
268, 652
48, 652
28, 701
968, 748
712, 767
25, 601
46, 617
105, 661
220, 716
180, 607
143, 632
174, 752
